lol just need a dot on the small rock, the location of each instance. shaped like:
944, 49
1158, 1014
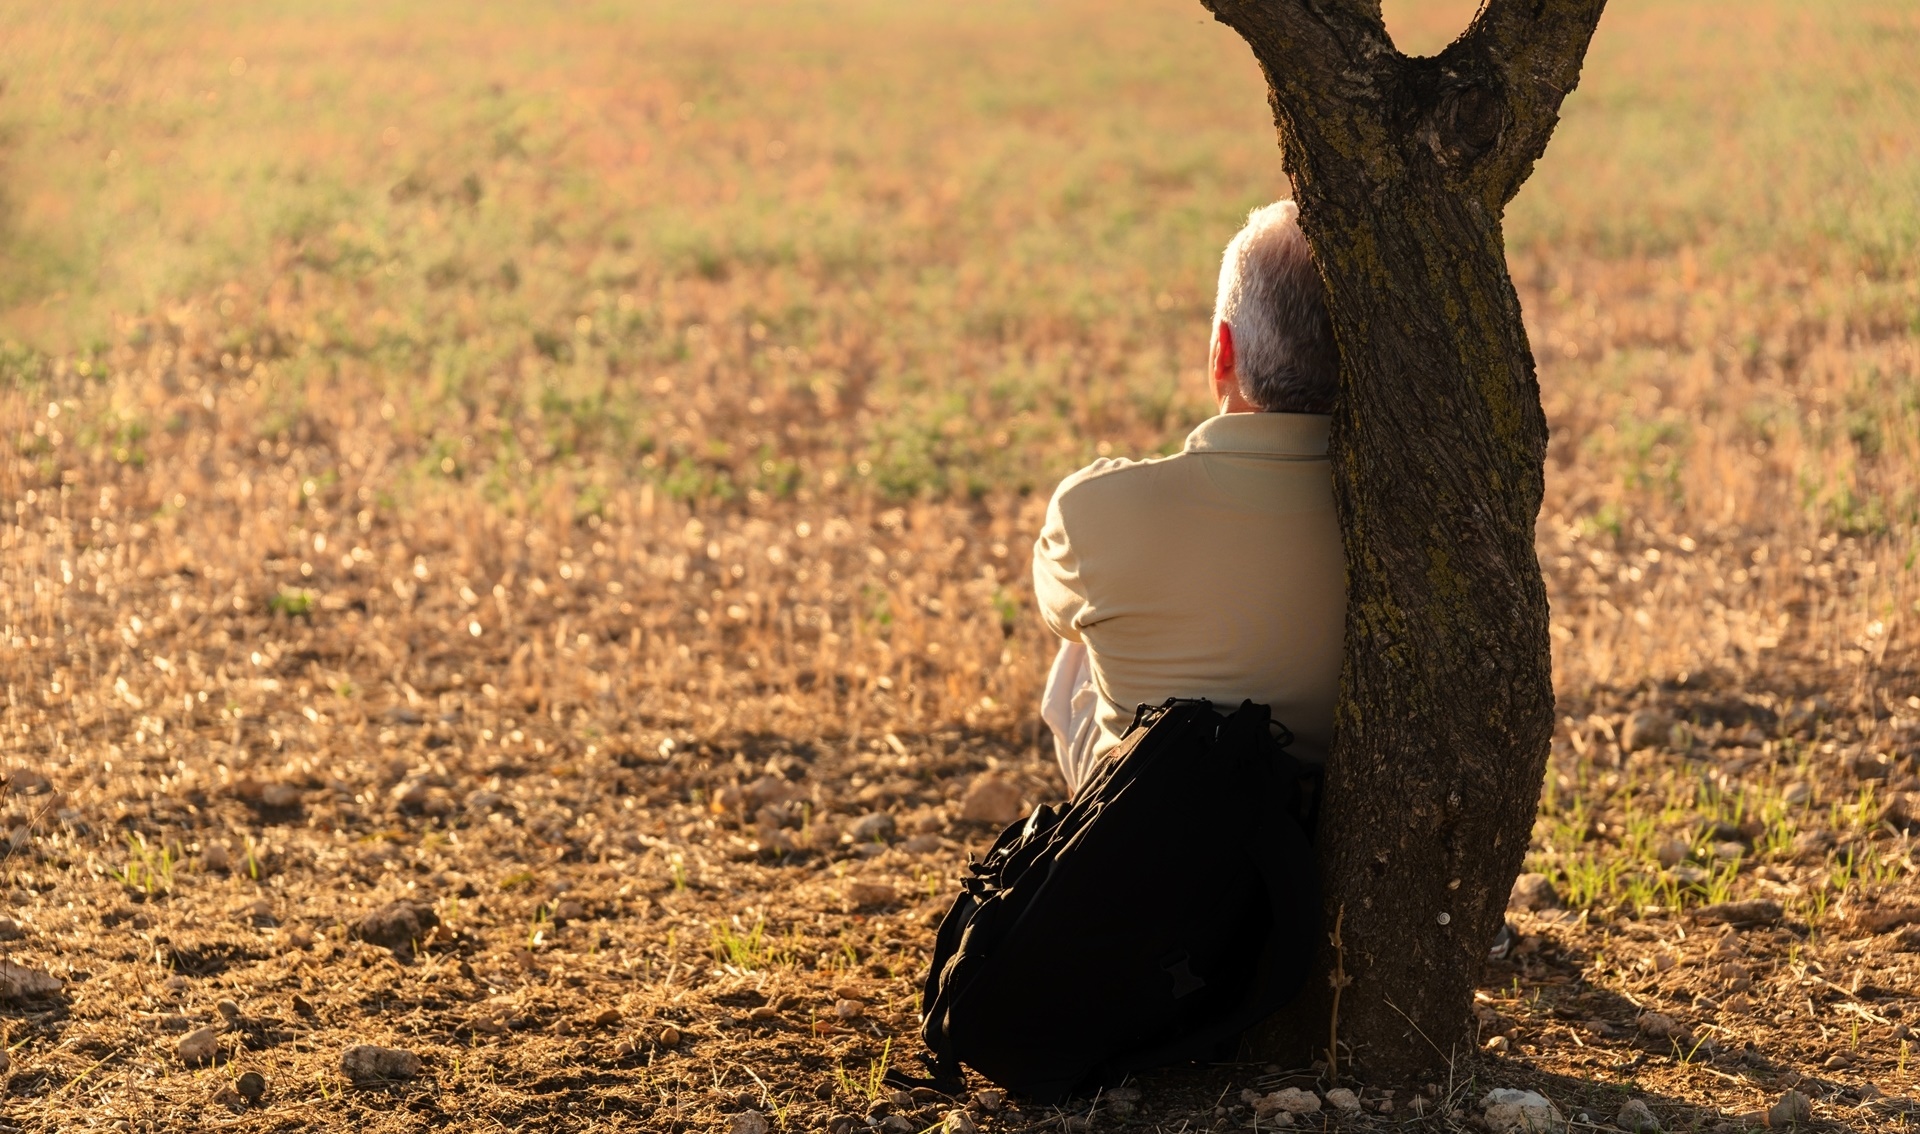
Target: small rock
277, 795
871, 894
259, 913
607, 1018
1292, 1100
1521, 1112
897, 1124
1644, 729
764, 1012
197, 1046
10, 930
396, 925
1532, 892
569, 909
1793, 1109
1635, 1118
748, 1122
1343, 1100
303, 1007
1745, 914
990, 1099
18, 982
1796, 794
849, 1009
368, 1064
1499, 1045
1659, 1025
252, 1086
6, 1061
1672, 852
215, 856
483, 802
231, 1099
26, 781
669, 1036
990, 799
868, 828
227, 1009
922, 844
958, 1122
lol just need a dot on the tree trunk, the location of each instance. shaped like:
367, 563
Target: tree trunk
1402, 167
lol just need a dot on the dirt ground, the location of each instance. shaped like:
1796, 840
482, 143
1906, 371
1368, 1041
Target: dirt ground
635, 894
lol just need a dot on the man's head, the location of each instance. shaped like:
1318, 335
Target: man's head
1272, 337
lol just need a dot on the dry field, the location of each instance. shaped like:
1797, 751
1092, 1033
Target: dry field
573, 477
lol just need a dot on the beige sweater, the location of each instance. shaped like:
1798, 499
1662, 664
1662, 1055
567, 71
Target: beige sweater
1216, 572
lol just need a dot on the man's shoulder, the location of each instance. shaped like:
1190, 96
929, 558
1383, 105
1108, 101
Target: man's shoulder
1118, 476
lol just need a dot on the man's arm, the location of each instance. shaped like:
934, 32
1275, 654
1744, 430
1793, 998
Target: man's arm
1056, 574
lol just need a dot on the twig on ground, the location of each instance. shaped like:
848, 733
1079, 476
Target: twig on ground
1339, 980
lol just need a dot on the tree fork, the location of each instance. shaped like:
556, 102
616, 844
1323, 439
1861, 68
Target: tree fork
1402, 167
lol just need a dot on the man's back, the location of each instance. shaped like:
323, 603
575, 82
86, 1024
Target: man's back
1216, 573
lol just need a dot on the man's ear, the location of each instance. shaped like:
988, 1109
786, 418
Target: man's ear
1220, 361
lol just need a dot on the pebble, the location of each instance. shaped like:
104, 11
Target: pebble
1644, 729
1793, 1109
1532, 892
958, 1122
1796, 794
990, 1099
18, 982
849, 1009
990, 799
10, 930
669, 1036
748, 1122
1343, 1100
1292, 1100
228, 1009
1754, 912
898, 1124
6, 1061
197, 1046
1672, 852
1635, 1118
215, 856
1521, 1112
871, 894
922, 844
252, 1086
867, 828
26, 781
396, 925
366, 1063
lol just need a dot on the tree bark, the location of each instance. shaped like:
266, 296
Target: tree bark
1402, 167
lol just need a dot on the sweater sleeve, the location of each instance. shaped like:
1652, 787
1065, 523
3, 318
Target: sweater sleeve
1056, 573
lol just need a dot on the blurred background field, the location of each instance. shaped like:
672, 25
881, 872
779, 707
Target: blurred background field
400, 398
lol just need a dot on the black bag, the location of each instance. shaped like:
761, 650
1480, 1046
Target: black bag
1167, 909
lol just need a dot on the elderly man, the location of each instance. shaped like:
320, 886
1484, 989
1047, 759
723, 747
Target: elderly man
1216, 572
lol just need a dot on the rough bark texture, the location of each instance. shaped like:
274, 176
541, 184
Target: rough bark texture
1402, 167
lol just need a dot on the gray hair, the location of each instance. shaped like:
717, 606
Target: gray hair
1272, 297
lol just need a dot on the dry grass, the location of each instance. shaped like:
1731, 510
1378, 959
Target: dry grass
566, 473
